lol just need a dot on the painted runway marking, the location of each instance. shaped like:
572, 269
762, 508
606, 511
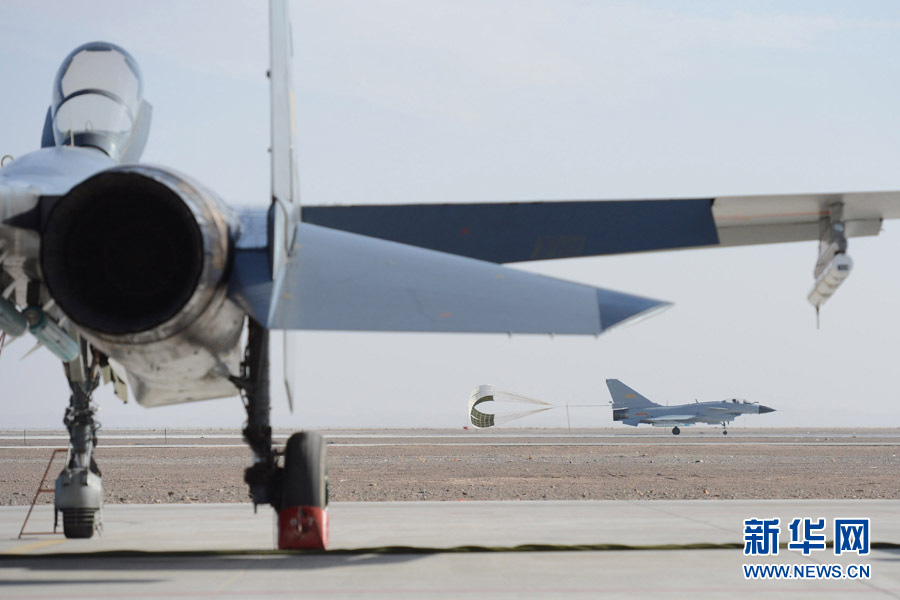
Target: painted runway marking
28, 548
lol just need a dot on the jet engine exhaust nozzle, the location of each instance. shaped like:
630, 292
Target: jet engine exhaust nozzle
135, 252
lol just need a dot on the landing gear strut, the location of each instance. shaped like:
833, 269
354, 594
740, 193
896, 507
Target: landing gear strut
298, 491
264, 477
675, 431
79, 488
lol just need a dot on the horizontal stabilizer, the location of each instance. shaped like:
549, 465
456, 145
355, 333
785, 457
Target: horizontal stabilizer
334, 280
506, 232
525, 231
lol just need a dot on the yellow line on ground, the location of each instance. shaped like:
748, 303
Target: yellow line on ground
28, 548
230, 581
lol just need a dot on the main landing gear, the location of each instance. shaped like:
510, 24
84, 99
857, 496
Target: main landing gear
302, 521
298, 491
676, 431
79, 487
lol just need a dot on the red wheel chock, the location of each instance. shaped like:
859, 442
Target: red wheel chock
302, 528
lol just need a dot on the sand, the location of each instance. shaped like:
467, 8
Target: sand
456, 465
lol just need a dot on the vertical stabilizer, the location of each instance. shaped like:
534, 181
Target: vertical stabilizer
284, 213
285, 210
625, 397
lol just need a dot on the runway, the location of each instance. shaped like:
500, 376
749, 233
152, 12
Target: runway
202, 551
622, 436
188, 546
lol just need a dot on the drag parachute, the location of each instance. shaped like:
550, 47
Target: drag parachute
485, 394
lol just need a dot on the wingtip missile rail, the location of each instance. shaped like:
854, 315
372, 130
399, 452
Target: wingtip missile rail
51, 335
34, 320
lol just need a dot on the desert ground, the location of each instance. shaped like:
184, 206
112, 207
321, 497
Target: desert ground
187, 466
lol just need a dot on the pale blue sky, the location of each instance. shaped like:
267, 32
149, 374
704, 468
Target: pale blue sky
413, 101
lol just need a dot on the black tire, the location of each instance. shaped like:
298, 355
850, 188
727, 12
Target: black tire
78, 523
675, 431
724, 432
305, 471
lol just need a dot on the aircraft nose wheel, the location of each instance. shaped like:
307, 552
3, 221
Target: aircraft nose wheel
303, 521
78, 491
79, 523
675, 431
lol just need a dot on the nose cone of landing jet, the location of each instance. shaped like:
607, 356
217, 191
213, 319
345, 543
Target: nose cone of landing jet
765, 409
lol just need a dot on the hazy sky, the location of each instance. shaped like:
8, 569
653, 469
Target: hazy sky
417, 101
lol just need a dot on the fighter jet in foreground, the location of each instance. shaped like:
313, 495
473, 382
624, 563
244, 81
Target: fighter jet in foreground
145, 278
633, 409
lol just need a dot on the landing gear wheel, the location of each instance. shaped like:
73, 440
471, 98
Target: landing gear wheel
724, 432
302, 521
675, 431
78, 490
78, 523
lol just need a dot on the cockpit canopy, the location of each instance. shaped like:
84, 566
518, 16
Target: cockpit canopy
98, 102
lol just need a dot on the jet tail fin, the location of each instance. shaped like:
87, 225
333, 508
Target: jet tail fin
625, 397
284, 212
285, 209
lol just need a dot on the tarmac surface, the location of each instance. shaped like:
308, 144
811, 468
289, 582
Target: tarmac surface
579, 542
224, 550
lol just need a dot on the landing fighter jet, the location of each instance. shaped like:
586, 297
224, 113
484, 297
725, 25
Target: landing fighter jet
633, 409
142, 277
